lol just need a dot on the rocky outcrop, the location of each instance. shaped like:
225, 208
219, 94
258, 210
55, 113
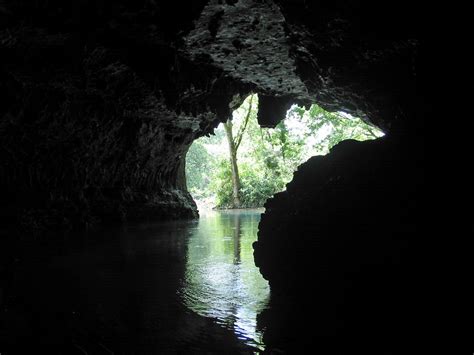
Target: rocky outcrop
99, 142
100, 110
338, 248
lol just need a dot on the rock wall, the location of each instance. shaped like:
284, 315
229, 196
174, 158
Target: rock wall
99, 142
99, 112
339, 248
104, 98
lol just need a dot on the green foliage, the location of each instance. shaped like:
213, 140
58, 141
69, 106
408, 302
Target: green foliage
222, 184
257, 184
267, 158
198, 163
332, 127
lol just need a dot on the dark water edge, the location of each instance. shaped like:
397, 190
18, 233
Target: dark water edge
111, 290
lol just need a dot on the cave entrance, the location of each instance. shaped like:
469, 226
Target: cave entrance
221, 278
242, 164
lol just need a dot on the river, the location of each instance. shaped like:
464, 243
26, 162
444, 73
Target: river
144, 288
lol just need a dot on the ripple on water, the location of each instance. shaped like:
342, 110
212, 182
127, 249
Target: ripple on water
221, 280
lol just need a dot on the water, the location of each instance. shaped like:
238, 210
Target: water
146, 288
221, 280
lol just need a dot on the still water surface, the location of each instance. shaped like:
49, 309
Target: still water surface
221, 280
179, 286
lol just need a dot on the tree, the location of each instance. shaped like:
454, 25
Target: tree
234, 144
330, 128
242, 164
198, 163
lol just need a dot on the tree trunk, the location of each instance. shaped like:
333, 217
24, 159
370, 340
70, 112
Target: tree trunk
233, 164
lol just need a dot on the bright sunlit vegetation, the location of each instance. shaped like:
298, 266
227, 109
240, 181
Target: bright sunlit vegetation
242, 165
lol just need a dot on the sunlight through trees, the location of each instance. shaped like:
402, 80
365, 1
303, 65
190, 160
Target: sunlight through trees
242, 164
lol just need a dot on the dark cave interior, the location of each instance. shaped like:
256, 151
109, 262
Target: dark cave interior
102, 99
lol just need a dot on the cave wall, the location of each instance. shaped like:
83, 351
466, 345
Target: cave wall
99, 110
103, 98
340, 248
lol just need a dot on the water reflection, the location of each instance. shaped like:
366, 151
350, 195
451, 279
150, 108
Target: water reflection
221, 280
143, 288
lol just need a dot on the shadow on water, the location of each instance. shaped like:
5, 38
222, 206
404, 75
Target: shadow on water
144, 288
